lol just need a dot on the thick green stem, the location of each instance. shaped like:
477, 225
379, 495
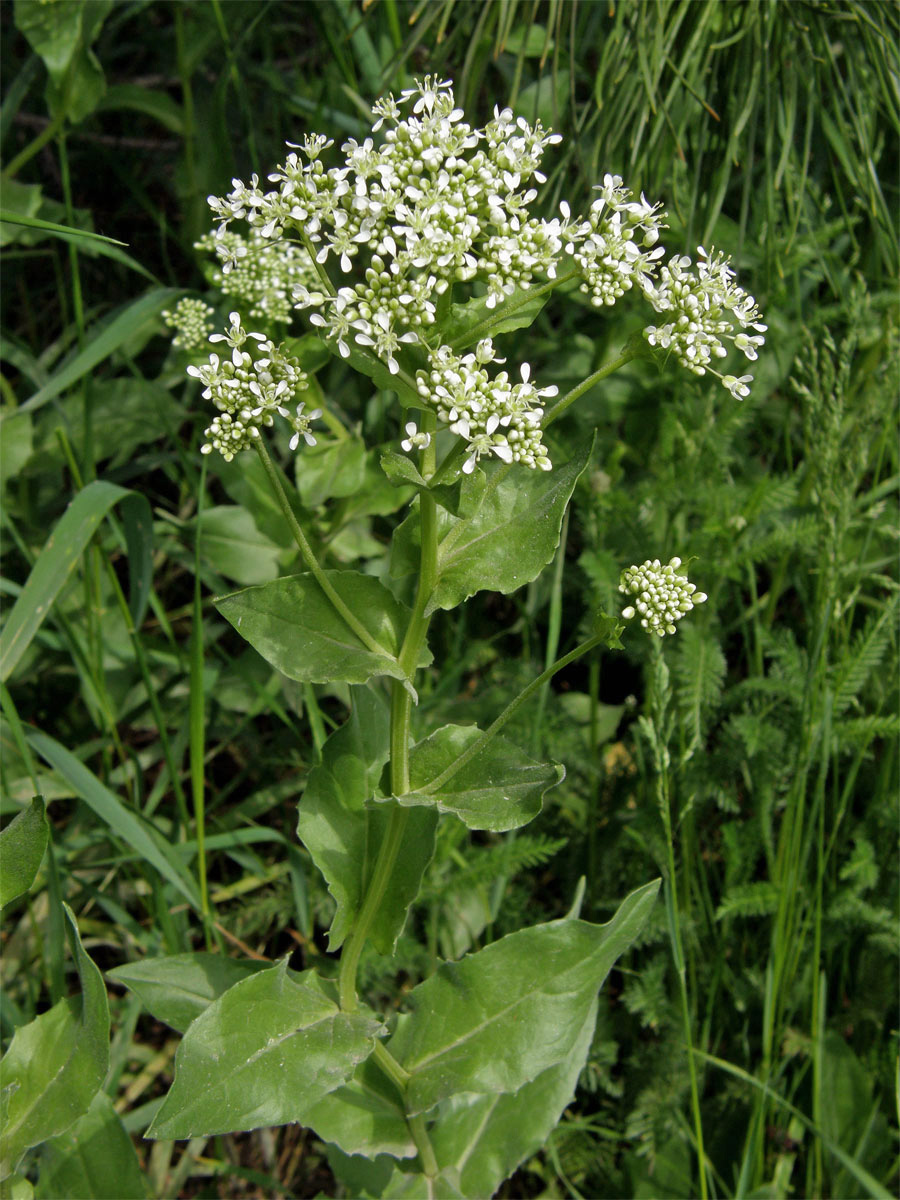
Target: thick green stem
586, 384
401, 712
311, 561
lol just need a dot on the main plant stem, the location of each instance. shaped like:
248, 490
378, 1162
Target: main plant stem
401, 713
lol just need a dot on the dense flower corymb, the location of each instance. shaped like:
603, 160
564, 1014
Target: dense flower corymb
435, 203
662, 597
257, 381
384, 250
706, 309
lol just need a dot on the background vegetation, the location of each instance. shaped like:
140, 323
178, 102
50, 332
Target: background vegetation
769, 129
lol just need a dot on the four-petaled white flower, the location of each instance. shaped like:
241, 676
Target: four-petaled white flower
415, 440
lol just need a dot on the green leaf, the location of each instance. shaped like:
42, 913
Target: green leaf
528, 40
309, 349
177, 989
20, 223
232, 544
61, 34
158, 105
364, 1116
32, 222
55, 1064
462, 497
401, 470
112, 812
126, 415
343, 833
21, 202
330, 470
55, 563
500, 788
405, 1186
94, 1158
470, 322
530, 993
22, 846
293, 625
262, 1054
489, 1136
374, 369
17, 1187
360, 1176
546, 99
16, 440
333, 821
506, 542
102, 341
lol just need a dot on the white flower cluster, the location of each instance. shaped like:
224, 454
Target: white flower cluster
619, 243
437, 202
705, 308
662, 597
190, 319
259, 275
492, 415
428, 202
248, 389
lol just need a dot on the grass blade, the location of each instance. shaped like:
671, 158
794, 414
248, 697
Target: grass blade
55, 563
112, 812
102, 344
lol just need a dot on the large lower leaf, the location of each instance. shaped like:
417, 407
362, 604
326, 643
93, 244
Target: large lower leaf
180, 987
364, 1116
55, 1064
264, 1053
343, 833
94, 1158
22, 846
500, 788
499, 1018
487, 1137
294, 626
506, 542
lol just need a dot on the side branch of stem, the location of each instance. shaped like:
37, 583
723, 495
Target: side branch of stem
511, 709
310, 560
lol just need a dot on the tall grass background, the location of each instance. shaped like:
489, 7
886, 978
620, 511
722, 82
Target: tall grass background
749, 1046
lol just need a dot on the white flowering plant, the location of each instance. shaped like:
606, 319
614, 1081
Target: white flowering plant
408, 261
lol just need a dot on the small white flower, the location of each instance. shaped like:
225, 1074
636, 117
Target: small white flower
738, 387
414, 439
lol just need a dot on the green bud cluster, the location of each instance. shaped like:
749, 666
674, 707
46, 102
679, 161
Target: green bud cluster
662, 597
191, 321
